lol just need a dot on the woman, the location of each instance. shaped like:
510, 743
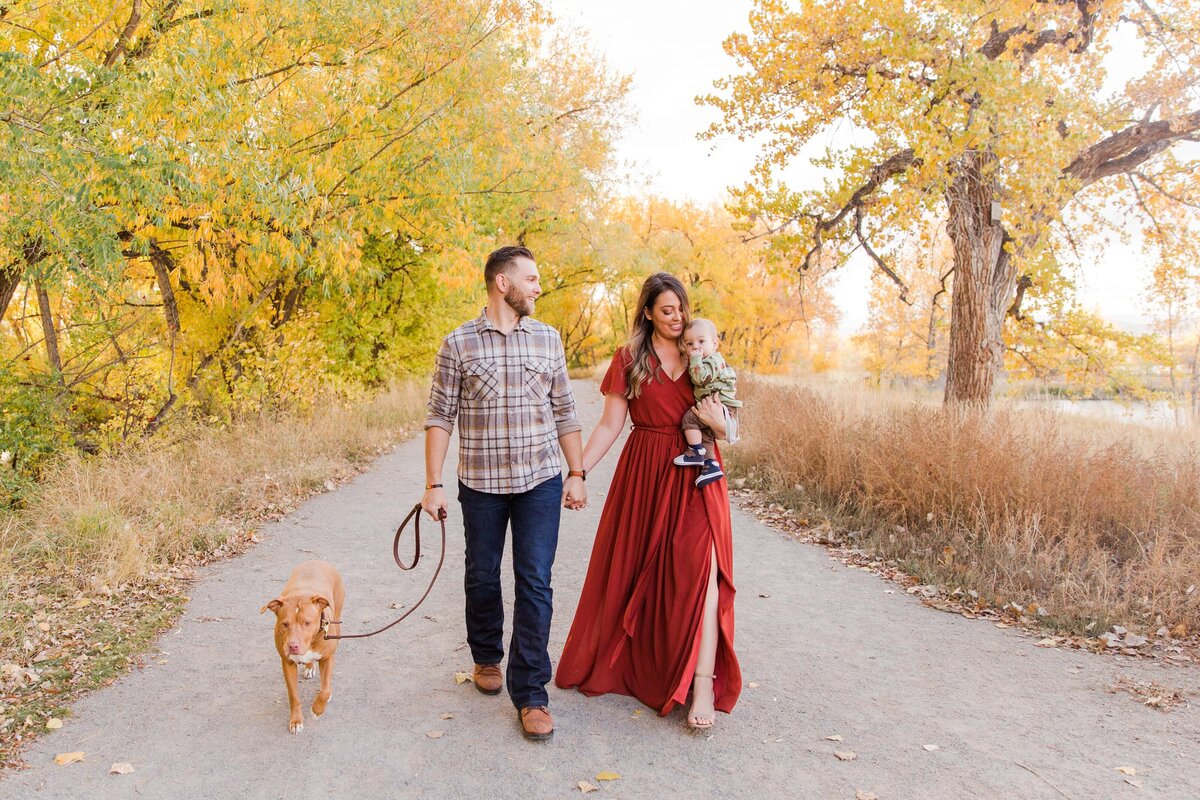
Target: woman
656, 613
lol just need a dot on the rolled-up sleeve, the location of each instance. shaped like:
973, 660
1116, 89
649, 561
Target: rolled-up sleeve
444, 392
562, 400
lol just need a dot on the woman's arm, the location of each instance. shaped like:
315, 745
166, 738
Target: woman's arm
612, 420
711, 413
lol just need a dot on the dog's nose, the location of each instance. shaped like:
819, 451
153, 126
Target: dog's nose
293, 647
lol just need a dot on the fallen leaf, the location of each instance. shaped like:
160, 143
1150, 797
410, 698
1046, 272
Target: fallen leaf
1127, 770
435, 734
62, 759
53, 724
461, 677
607, 776
837, 737
1047, 642
586, 787
447, 715
860, 794
44, 627
846, 756
931, 747
82, 602
752, 685
120, 768
1132, 782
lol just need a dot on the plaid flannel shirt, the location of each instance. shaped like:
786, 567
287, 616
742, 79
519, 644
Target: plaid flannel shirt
512, 398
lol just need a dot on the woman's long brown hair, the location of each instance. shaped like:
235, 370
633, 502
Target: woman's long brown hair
641, 330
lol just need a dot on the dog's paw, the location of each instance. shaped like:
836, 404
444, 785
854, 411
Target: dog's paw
309, 671
318, 706
296, 726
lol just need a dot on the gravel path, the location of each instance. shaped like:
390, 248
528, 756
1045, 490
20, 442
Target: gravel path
828, 649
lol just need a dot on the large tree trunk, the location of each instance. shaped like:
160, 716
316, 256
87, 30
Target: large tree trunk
984, 280
51, 336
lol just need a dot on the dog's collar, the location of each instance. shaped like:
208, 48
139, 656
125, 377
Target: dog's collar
325, 623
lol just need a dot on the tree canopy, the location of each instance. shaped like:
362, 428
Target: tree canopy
1008, 121
208, 200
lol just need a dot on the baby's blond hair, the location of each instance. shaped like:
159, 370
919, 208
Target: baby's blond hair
698, 321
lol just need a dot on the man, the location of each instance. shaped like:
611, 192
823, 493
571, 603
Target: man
504, 376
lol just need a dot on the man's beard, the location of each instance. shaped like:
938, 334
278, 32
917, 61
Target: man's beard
519, 302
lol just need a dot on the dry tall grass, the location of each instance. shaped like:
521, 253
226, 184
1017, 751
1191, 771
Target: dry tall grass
113, 519
1095, 523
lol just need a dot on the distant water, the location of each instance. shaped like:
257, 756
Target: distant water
1159, 414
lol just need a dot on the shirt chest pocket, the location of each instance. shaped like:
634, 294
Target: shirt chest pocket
537, 378
480, 382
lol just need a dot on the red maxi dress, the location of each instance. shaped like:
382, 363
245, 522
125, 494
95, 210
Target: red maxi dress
637, 628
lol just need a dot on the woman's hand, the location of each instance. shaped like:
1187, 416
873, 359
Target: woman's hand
712, 413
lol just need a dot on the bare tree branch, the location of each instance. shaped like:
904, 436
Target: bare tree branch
881, 173
879, 262
78, 44
1128, 149
1078, 39
135, 19
1023, 282
1147, 179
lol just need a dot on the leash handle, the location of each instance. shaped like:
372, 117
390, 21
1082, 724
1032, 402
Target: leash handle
415, 515
416, 512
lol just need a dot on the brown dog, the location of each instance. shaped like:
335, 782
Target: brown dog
310, 601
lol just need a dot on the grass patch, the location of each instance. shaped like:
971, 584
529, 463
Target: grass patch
98, 560
1097, 523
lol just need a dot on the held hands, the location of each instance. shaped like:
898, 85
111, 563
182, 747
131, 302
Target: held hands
433, 503
574, 494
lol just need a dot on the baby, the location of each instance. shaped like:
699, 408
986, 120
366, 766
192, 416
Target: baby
710, 375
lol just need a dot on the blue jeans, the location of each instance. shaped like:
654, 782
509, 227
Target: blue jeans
534, 515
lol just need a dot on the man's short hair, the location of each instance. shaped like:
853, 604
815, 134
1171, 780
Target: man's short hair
501, 260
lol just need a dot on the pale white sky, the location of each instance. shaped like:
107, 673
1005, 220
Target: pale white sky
673, 50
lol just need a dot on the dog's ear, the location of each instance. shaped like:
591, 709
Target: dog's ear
274, 605
321, 600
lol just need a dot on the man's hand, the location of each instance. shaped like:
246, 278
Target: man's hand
434, 503
574, 493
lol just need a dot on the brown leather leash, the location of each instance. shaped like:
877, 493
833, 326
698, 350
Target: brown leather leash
414, 515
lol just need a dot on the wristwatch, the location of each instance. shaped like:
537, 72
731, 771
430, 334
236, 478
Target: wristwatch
577, 473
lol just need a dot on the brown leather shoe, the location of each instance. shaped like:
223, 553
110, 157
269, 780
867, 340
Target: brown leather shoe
488, 679
536, 722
